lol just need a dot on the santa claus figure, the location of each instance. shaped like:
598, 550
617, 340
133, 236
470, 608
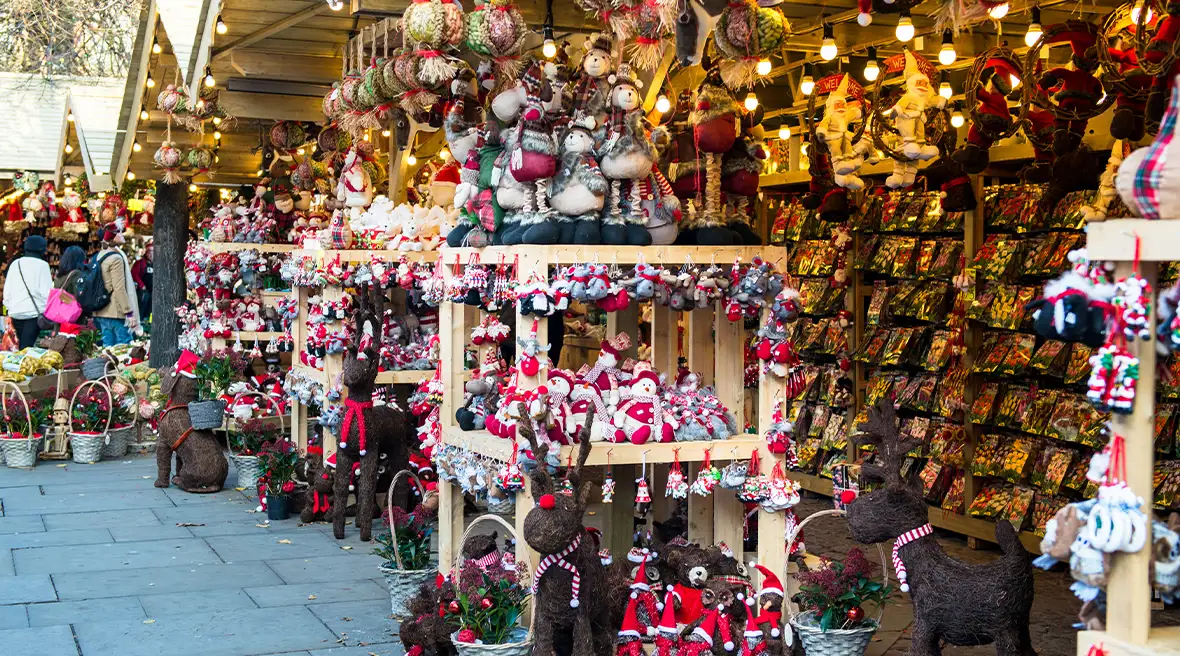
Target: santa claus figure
667, 633
846, 157
640, 417
909, 117
1076, 91
562, 427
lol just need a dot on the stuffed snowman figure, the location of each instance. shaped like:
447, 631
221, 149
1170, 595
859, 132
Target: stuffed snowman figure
909, 117
640, 417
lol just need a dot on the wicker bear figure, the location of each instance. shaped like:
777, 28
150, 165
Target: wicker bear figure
317, 504
689, 567
569, 584
201, 466
1000, 592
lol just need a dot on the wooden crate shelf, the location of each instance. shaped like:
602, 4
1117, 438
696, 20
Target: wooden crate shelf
734, 448
670, 255
229, 246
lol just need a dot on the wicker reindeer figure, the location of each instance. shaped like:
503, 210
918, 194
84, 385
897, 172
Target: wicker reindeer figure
201, 466
959, 603
570, 582
369, 434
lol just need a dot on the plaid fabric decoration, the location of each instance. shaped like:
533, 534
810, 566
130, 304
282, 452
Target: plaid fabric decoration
1146, 183
339, 241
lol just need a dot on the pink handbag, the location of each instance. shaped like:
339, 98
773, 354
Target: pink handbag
62, 307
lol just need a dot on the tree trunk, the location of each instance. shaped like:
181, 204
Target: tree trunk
170, 235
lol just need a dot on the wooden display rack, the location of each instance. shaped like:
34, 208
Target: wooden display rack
715, 348
1128, 585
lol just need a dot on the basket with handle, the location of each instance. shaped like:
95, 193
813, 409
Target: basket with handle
120, 437
246, 465
833, 642
96, 368
20, 451
522, 637
403, 583
87, 447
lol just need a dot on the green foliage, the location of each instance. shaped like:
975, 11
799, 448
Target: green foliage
91, 411
215, 371
16, 421
278, 461
89, 342
413, 533
837, 587
251, 435
490, 603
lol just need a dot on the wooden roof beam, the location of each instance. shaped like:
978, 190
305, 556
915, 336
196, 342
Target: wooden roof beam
314, 9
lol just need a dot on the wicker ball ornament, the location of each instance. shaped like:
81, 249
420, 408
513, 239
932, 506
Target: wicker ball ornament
171, 100
200, 158
496, 29
654, 20
435, 27
169, 158
287, 136
746, 33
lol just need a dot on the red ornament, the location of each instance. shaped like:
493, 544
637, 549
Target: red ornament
454, 607
547, 501
466, 635
485, 603
288, 487
847, 497
856, 614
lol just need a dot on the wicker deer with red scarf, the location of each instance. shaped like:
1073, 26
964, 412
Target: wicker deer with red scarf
570, 584
369, 434
954, 602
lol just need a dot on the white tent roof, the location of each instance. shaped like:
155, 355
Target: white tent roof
96, 118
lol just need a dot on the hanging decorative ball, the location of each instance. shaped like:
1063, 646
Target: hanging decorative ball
435, 26
856, 614
287, 135
653, 21
331, 106
745, 33
200, 158
454, 607
169, 158
171, 100
497, 29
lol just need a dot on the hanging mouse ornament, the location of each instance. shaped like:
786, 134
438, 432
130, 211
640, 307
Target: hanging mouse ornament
608, 483
677, 486
707, 478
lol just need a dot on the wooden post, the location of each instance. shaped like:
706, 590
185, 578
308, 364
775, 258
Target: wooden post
620, 520
973, 236
700, 512
664, 353
299, 415
450, 525
771, 526
333, 366
170, 236
1128, 590
729, 363
625, 321
700, 345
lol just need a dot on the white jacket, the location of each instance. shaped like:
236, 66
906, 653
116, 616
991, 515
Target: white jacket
39, 280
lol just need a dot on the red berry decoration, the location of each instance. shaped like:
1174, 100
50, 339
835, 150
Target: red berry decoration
485, 603
289, 487
454, 607
466, 635
856, 614
847, 497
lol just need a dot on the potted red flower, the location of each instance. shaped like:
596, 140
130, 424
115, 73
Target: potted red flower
277, 460
832, 598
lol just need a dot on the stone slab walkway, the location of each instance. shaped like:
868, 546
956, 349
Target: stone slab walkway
94, 563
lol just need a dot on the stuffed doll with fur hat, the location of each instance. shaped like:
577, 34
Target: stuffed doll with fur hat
461, 126
533, 160
627, 155
577, 191
909, 118
833, 130
589, 92
514, 197
993, 118
714, 124
1075, 89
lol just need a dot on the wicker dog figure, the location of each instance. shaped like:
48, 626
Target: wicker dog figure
570, 582
369, 434
201, 466
956, 602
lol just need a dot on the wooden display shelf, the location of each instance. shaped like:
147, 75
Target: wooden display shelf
309, 372
671, 255
734, 448
365, 256
404, 377
1162, 641
250, 335
1115, 240
230, 246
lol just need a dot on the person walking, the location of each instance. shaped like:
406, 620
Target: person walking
121, 315
69, 270
26, 289
141, 272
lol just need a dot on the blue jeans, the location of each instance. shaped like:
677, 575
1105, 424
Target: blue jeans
113, 331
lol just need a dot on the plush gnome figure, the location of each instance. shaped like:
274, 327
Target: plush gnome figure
833, 130
648, 605
667, 633
714, 123
627, 157
700, 641
993, 119
443, 184
641, 417
630, 637
770, 604
577, 192
909, 118
753, 640
1075, 90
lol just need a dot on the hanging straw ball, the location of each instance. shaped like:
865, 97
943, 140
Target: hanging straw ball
436, 26
745, 33
653, 21
366, 91
389, 75
478, 37
200, 158
375, 171
329, 139
348, 90
332, 102
169, 157
507, 32
287, 135
170, 99
303, 177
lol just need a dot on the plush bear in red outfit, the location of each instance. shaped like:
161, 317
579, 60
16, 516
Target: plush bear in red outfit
1075, 89
993, 118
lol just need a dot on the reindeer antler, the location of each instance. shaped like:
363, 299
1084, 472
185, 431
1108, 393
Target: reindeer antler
575, 475
542, 481
882, 432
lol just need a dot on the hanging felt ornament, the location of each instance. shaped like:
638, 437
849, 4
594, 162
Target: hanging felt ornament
566, 487
608, 483
677, 486
1132, 301
531, 355
255, 352
779, 439
169, 158
475, 280
707, 478
510, 478
782, 493
456, 287
200, 158
642, 490
755, 487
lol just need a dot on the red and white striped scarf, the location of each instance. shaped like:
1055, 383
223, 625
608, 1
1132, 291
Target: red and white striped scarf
559, 560
903, 540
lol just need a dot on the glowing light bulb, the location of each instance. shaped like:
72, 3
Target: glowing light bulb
905, 28
663, 104
365, 136
136, 147
209, 81
300, 151
784, 133
549, 49
1013, 80
68, 180
130, 175
945, 90
957, 119
751, 102
1137, 10
763, 67
999, 11
803, 149
260, 173
150, 82
385, 133
192, 188
827, 49
444, 153
143, 115
1034, 28
872, 70
70, 117
69, 148
335, 5
222, 28
807, 83
156, 49
411, 160
216, 120
217, 135
947, 54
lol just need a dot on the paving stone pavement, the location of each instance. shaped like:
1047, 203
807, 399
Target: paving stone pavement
94, 563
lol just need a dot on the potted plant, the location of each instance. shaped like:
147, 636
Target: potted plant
405, 550
90, 418
489, 604
22, 434
215, 372
277, 460
831, 599
244, 444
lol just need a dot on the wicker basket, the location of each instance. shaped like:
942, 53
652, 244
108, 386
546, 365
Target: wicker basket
247, 466
503, 507
95, 368
87, 447
118, 439
403, 583
206, 415
21, 453
833, 642
522, 638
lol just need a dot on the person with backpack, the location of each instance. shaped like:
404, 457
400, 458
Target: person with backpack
107, 290
26, 289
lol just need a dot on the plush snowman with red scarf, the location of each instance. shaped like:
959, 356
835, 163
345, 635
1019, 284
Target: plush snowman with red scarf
640, 416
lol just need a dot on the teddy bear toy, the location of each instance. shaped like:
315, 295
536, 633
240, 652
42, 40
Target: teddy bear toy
627, 157
640, 416
589, 92
577, 192
317, 503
